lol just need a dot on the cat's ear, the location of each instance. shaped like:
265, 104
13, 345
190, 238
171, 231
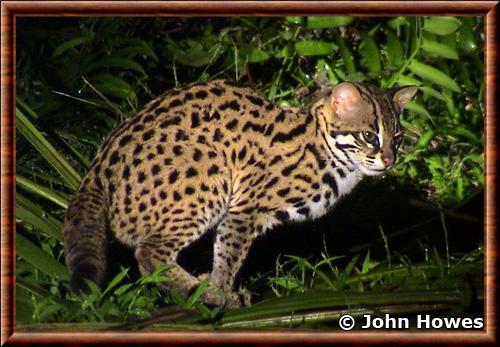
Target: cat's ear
346, 101
402, 95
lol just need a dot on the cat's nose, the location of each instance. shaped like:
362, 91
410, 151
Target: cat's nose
388, 160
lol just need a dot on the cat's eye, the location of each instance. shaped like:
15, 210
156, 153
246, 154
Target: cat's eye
370, 137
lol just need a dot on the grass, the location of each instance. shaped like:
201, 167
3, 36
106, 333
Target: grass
84, 81
313, 294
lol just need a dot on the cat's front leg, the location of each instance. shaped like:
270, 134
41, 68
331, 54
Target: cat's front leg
233, 240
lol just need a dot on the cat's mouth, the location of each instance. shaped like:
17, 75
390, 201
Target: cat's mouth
370, 171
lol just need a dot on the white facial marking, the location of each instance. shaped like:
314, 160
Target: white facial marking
381, 131
343, 139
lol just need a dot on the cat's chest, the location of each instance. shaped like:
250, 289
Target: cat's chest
325, 197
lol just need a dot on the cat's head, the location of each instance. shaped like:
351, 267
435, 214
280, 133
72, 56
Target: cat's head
362, 121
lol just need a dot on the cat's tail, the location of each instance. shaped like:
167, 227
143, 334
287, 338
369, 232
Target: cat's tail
85, 243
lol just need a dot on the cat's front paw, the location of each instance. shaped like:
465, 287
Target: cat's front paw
204, 276
217, 297
214, 297
242, 297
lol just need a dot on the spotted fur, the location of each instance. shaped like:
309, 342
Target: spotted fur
218, 155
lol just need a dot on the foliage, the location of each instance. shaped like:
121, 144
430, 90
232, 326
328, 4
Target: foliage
78, 78
120, 298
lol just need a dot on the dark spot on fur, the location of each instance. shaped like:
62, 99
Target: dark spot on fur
191, 172
281, 117
138, 128
213, 170
108, 172
141, 177
217, 91
201, 94
201, 139
255, 100
283, 192
158, 182
137, 149
177, 196
242, 153
217, 135
169, 122
255, 113
155, 169
197, 154
233, 105
114, 158
180, 135
148, 118
177, 150
271, 183
126, 172
148, 135
175, 103
173, 176
303, 211
195, 120
232, 124
282, 215
124, 140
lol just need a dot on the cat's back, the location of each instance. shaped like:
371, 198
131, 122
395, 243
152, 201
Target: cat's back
190, 116
175, 147
196, 109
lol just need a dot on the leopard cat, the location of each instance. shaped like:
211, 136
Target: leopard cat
218, 155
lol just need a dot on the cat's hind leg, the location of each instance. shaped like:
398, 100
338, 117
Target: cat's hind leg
157, 251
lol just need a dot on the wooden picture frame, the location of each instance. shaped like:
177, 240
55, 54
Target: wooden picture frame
12, 9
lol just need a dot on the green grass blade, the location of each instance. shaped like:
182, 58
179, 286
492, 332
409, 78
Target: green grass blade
346, 56
202, 287
370, 54
432, 92
424, 139
432, 74
325, 316
322, 22
26, 108
394, 49
24, 305
33, 288
40, 260
326, 299
45, 192
466, 40
40, 176
114, 62
72, 43
439, 49
314, 47
441, 25
76, 154
34, 215
115, 281
40, 143
417, 108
